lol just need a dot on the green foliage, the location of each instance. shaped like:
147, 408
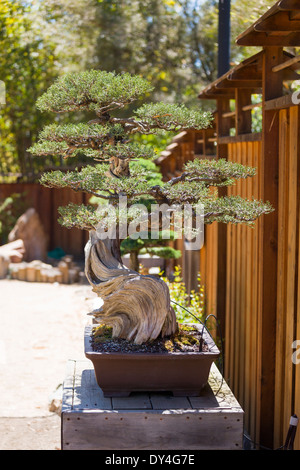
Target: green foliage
93, 90
157, 142
194, 302
97, 179
153, 247
157, 246
148, 168
27, 68
165, 252
78, 216
106, 139
173, 117
80, 132
91, 140
235, 210
219, 172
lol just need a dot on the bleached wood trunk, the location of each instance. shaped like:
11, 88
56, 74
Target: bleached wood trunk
136, 306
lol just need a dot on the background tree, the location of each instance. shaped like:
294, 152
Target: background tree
172, 43
27, 68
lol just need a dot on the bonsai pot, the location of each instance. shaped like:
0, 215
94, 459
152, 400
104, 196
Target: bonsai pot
182, 373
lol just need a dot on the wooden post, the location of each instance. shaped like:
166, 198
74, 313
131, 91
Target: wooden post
272, 88
223, 129
242, 118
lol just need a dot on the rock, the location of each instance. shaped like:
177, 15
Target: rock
30, 229
14, 251
56, 400
4, 264
63, 267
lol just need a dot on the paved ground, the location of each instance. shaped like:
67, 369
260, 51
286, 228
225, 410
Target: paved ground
41, 328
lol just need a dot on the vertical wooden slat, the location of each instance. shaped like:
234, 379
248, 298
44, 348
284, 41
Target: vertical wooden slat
222, 129
272, 88
297, 319
282, 275
258, 319
238, 340
291, 264
233, 290
248, 293
254, 296
296, 408
228, 316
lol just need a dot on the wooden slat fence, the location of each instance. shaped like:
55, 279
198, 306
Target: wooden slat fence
260, 316
243, 332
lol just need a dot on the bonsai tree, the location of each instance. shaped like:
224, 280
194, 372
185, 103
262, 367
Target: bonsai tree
137, 307
146, 245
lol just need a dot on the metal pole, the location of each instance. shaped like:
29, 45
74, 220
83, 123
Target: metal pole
289, 442
224, 37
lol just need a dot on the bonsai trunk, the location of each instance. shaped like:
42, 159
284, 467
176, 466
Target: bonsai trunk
134, 261
136, 306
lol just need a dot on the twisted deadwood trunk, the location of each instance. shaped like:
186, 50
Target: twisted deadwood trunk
136, 306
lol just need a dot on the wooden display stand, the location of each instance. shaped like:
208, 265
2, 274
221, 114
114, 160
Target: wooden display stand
148, 421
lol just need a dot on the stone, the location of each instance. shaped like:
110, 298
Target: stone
14, 251
10, 253
4, 264
30, 230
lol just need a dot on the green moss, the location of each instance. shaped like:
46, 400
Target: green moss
184, 327
169, 345
102, 333
182, 338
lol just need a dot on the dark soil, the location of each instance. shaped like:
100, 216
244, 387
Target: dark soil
187, 339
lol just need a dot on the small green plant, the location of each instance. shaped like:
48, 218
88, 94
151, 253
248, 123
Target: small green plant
193, 302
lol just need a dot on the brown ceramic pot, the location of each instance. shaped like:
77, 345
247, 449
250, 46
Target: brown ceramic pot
183, 374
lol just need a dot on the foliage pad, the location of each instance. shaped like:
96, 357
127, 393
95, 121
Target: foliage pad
107, 140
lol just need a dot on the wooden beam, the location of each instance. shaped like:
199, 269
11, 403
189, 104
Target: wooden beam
255, 38
288, 5
246, 73
280, 21
286, 64
228, 114
294, 15
239, 84
230, 139
279, 103
215, 94
251, 106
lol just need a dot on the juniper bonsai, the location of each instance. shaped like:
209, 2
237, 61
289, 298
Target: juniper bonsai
146, 245
137, 307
